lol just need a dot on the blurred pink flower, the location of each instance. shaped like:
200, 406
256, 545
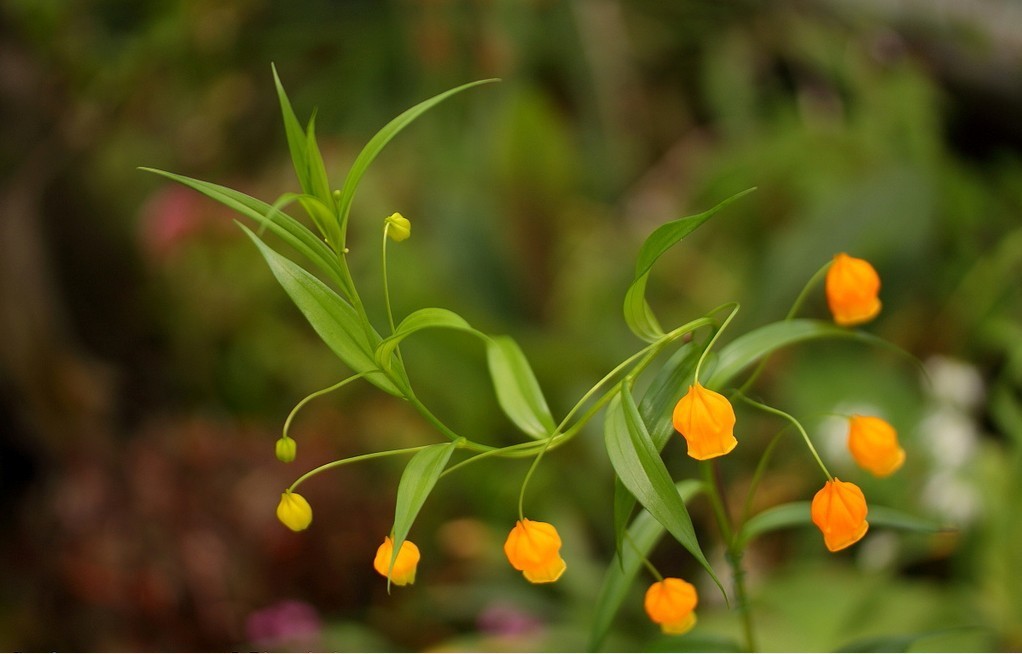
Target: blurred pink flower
502, 619
286, 625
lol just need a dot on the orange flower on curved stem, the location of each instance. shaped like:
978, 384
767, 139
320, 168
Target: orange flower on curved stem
706, 420
839, 510
852, 286
671, 604
873, 443
534, 548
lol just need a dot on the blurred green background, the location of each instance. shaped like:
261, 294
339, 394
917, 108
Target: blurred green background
148, 359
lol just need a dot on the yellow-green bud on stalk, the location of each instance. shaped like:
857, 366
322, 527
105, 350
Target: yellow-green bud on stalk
294, 511
398, 227
287, 449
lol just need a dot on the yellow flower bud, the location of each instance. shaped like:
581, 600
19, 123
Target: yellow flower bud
706, 420
398, 227
286, 449
294, 511
671, 604
534, 549
405, 564
839, 510
852, 286
874, 445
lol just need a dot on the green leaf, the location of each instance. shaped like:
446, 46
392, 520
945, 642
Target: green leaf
644, 474
417, 481
284, 226
792, 514
517, 390
296, 140
377, 143
898, 642
320, 185
797, 514
885, 516
752, 346
638, 315
429, 318
642, 536
336, 321
656, 408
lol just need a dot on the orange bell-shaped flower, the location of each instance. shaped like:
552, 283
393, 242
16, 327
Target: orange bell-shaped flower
534, 548
671, 604
852, 286
706, 420
405, 564
839, 510
874, 445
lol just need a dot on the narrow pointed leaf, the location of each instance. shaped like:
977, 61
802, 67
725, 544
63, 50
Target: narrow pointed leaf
798, 514
517, 390
417, 482
753, 346
643, 473
637, 312
429, 318
656, 408
643, 535
284, 226
639, 315
296, 142
377, 143
336, 322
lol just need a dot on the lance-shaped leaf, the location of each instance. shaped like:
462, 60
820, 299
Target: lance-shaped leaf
798, 514
642, 471
272, 218
638, 315
296, 139
429, 318
417, 482
517, 390
642, 536
377, 143
336, 322
753, 346
655, 408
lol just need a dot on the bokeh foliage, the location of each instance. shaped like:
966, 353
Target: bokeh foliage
149, 358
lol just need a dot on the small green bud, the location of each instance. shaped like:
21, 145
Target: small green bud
287, 448
398, 227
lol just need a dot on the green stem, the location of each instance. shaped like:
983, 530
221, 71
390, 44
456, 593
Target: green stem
353, 459
715, 493
790, 418
757, 475
444, 429
312, 396
734, 557
646, 562
796, 306
716, 335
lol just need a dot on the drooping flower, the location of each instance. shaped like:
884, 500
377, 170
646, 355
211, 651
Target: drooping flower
294, 511
534, 548
398, 227
671, 604
405, 564
706, 420
839, 510
852, 286
286, 449
874, 445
